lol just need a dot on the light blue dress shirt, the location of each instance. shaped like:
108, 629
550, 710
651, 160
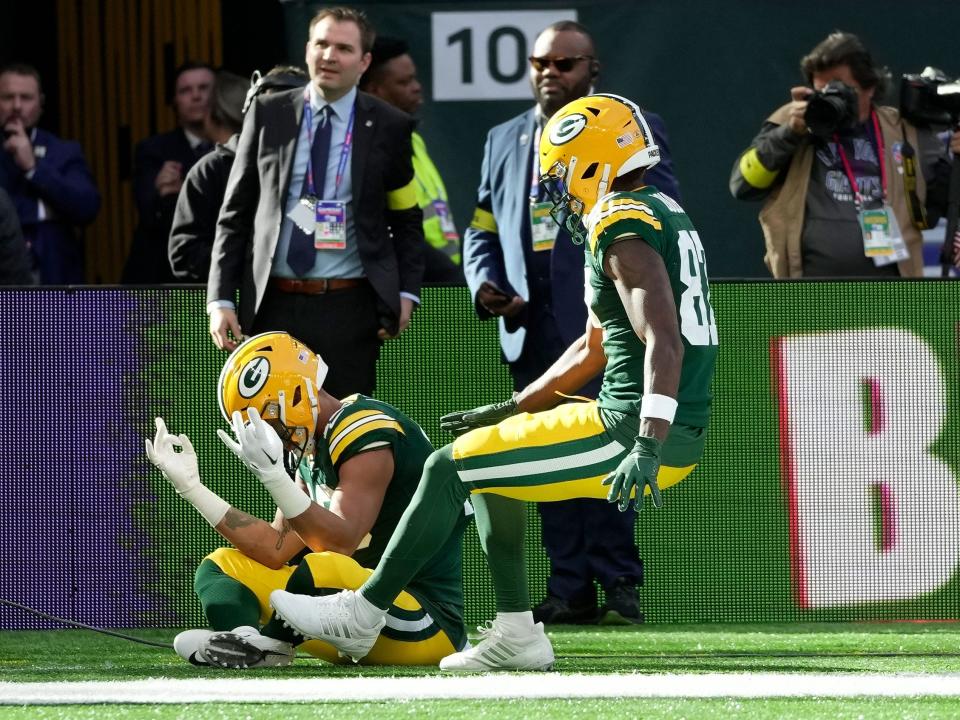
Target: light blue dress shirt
329, 263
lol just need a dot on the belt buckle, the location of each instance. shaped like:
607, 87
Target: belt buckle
324, 285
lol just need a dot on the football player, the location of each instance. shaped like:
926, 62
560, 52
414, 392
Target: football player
651, 331
358, 463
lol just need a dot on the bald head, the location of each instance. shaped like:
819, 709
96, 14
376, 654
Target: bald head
564, 66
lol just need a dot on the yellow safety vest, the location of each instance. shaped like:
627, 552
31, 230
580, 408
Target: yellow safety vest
439, 231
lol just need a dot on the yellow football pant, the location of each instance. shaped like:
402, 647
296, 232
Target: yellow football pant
560, 454
332, 570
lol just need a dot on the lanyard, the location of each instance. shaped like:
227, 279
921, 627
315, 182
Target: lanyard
849, 169
535, 171
344, 151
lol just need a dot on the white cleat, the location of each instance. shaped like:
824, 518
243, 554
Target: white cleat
245, 647
191, 645
499, 651
330, 618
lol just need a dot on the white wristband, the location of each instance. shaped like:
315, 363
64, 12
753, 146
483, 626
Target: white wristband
208, 503
288, 496
658, 406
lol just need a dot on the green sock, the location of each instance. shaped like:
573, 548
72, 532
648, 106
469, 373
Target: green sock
424, 527
500, 523
226, 602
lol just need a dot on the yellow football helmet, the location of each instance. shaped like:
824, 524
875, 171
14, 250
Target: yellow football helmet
584, 146
279, 376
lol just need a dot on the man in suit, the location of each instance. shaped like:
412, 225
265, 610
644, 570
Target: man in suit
160, 165
320, 229
201, 195
524, 270
47, 178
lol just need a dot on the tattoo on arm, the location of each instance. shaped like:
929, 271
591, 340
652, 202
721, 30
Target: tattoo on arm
238, 519
282, 534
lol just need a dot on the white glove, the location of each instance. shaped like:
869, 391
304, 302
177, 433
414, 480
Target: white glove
181, 470
260, 448
178, 467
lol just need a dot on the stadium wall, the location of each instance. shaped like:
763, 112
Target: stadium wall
828, 490
712, 88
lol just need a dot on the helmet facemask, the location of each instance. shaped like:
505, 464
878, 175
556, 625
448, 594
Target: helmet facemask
567, 211
297, 440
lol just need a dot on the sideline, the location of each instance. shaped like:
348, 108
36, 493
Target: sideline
501, 685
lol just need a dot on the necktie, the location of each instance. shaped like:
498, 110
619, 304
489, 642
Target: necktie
301, 254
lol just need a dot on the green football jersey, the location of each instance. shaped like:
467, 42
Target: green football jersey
364, 424
661, 223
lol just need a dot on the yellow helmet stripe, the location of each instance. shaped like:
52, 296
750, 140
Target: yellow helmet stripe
483, 220
402, 198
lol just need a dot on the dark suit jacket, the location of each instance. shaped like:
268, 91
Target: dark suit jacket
390, 242
148, 262
196, 213
14, 256
63, 181
499, 256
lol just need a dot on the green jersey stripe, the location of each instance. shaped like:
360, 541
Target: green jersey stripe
560, 476
533, 472
535, 453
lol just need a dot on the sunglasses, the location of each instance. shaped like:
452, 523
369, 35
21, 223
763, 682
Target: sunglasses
562, 64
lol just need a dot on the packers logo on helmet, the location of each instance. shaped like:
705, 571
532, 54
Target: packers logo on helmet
279, 376
567, 129
585, 146
253, 377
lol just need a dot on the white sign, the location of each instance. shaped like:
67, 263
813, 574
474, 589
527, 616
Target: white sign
873, 509
483, 55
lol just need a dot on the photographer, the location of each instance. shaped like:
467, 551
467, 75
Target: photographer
834, 171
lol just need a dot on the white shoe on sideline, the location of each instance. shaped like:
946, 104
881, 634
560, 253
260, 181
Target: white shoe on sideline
244, 647
498, 650
331, 618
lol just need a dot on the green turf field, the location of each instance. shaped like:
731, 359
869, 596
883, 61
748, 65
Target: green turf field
651, 651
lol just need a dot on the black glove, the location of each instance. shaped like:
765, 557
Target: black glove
462, 421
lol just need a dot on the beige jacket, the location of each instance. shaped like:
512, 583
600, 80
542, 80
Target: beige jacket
782, 214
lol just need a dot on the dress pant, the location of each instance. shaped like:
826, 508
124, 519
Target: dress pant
585, 539
339, 325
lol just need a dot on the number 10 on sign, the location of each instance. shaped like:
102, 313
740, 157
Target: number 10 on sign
483, 55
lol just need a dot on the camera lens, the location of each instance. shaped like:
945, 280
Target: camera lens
825, 114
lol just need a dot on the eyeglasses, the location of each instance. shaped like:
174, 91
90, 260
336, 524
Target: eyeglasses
562, 64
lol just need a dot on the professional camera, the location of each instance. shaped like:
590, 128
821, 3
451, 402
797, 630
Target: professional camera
930, 98
833, 108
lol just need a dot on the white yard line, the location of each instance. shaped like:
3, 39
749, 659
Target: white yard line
548, 685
